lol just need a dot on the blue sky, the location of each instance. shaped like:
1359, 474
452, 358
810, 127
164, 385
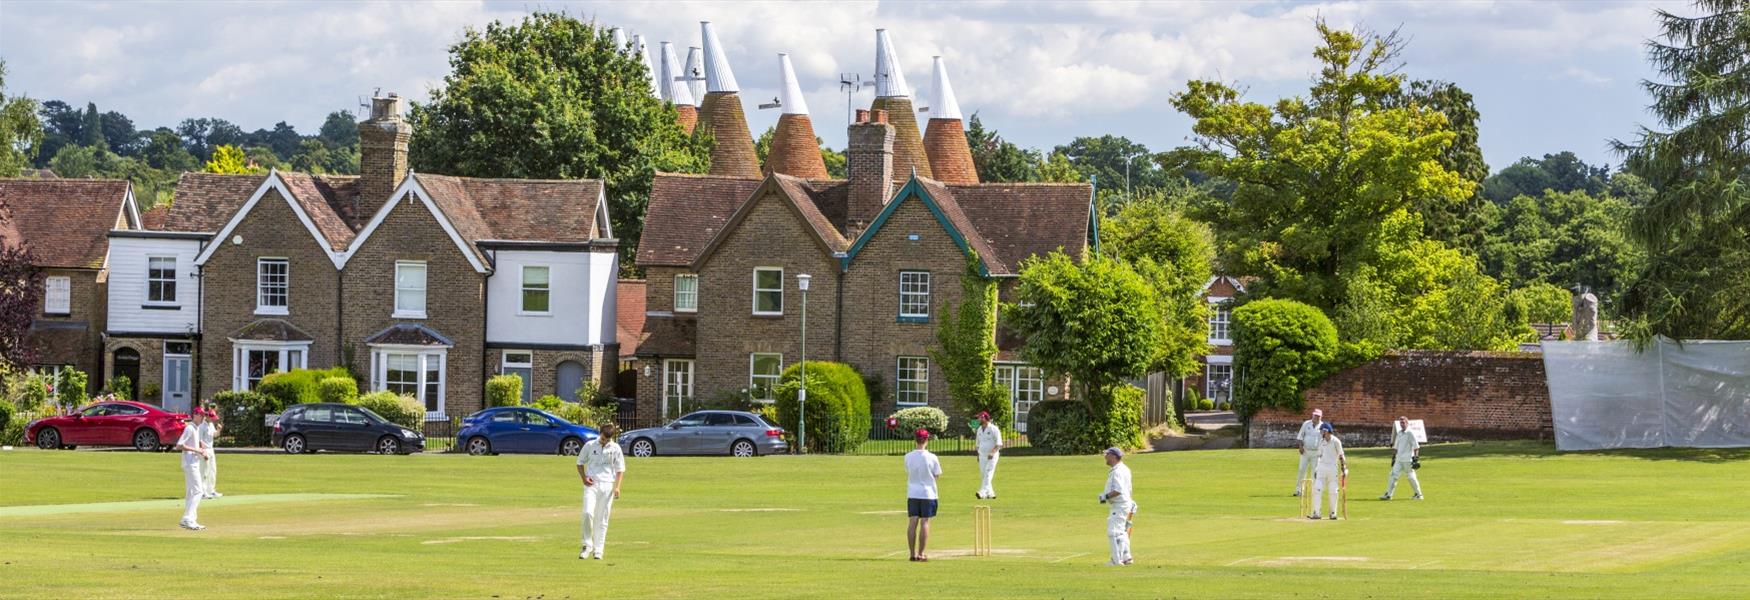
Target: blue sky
1547, 76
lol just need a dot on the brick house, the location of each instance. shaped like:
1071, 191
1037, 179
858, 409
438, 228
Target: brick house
64, 223
420, 284
1214, 380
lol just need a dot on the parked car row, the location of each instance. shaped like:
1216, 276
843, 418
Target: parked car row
306, 428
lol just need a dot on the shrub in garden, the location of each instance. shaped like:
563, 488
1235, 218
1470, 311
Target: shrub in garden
297, 386
342, 390
398, 409
70, 392
838, 405
1283, 347
920, 417
1205, 404
504, 390
1059, 427
122, 387
33, 392
550, 403
6, 411
242, 415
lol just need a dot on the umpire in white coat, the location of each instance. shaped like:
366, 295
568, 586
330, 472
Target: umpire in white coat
1408, 453
1117, 495
1308, 442
990, 445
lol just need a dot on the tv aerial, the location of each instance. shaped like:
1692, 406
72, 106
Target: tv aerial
850, 84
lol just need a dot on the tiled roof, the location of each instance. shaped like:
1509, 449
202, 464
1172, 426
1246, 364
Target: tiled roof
536, 210
332, 203
1022, 220
668, 336
271, 330
685, 212
629, 314
945, 199
410, 334
64, 222
805, 193
206, 201
152, 219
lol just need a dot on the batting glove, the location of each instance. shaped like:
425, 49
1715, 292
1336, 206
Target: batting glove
1102, 498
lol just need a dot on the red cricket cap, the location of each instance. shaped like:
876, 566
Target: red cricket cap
984, 415
923, 434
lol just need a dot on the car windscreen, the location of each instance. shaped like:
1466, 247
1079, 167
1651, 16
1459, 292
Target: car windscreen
374, 416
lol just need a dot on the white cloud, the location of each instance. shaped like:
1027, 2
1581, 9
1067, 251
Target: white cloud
1584, 75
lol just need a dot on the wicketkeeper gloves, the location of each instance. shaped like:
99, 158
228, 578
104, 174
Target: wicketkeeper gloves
1415, 462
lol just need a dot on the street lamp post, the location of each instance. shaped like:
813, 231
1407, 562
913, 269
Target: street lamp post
802, 394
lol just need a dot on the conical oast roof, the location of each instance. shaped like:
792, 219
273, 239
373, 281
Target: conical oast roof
794, 150
945, 136
695, 72
679, 92
650, 69
721, 117
894, 96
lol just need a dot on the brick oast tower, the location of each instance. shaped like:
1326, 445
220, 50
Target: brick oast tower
677, 91
794, 150
945, 137
721, 116
382, 154
894, 96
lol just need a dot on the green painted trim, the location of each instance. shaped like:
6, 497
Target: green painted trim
911, 189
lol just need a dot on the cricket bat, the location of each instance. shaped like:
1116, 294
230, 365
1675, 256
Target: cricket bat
1129, 521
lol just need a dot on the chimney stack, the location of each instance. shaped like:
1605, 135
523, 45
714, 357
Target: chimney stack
945, 137
869, 167
721, 116
679, 92
893, 95
794, 149
382, 154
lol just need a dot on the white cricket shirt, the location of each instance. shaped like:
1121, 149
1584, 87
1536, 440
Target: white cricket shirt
1405, 443
1118, 480
921, 470
1330, 453
600, 462
988, 438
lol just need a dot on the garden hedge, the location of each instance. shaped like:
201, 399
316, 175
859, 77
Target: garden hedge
838, 405
297, 386
504, 390
398, 409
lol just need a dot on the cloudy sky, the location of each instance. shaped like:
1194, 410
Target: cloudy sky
1547, 76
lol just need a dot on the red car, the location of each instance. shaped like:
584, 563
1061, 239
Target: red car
114, 423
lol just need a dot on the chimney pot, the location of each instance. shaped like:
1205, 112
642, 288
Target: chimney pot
877, 116
862, 115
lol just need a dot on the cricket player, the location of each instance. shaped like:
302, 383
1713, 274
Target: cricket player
1309, 446
193, 451
1331, 466
922, 469
1123, 509
603, 468
210, 463
990, 443
1409, 452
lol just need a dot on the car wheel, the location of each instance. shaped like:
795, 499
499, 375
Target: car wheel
48, 439
388, 445
294, 444
479, 446
643, 448
146, 440
571, 446
742, 448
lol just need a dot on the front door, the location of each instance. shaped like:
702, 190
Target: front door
177, 377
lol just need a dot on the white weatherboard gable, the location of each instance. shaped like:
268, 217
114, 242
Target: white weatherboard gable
272, 182
129, 257
581, 298
410, 185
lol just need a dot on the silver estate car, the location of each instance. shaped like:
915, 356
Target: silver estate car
727, 432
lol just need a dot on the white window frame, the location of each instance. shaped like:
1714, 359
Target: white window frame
900, 380
1220, 318
292, 355
505, 364
753, 379
169, 284
679, 392
1209, 380
692, 296
424, 284
757, 290
523, 290
58, 295
1026, 383
427, 356
915, 296
261, 290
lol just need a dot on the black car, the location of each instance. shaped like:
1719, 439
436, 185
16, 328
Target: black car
311, 427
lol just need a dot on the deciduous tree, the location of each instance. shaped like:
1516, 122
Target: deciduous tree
21, 134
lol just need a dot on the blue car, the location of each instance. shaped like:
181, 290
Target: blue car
521, 429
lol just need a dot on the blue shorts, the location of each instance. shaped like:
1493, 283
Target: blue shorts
919, 507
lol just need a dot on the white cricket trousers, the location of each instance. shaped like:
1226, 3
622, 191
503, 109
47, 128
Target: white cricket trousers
1402, 466
987, 471
1307, 459
1118, 531
210, 474
1325, 484
598, 500
192, 488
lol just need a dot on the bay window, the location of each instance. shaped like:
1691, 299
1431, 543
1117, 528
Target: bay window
413, 371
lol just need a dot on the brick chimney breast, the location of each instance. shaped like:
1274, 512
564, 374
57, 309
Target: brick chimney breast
869, 168
382, 154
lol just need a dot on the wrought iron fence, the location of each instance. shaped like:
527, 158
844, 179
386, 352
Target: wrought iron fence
440, 436
885, 440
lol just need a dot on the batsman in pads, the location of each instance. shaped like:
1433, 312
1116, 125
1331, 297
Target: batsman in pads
1406, 458
1331, 467
603, 468
990, 443
1123, 507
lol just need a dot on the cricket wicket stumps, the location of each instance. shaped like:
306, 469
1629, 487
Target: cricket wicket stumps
981, 531
1306, 500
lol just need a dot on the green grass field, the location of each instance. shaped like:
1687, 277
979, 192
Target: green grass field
1502, 520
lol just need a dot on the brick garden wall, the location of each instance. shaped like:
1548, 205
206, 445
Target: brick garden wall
1459, 395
